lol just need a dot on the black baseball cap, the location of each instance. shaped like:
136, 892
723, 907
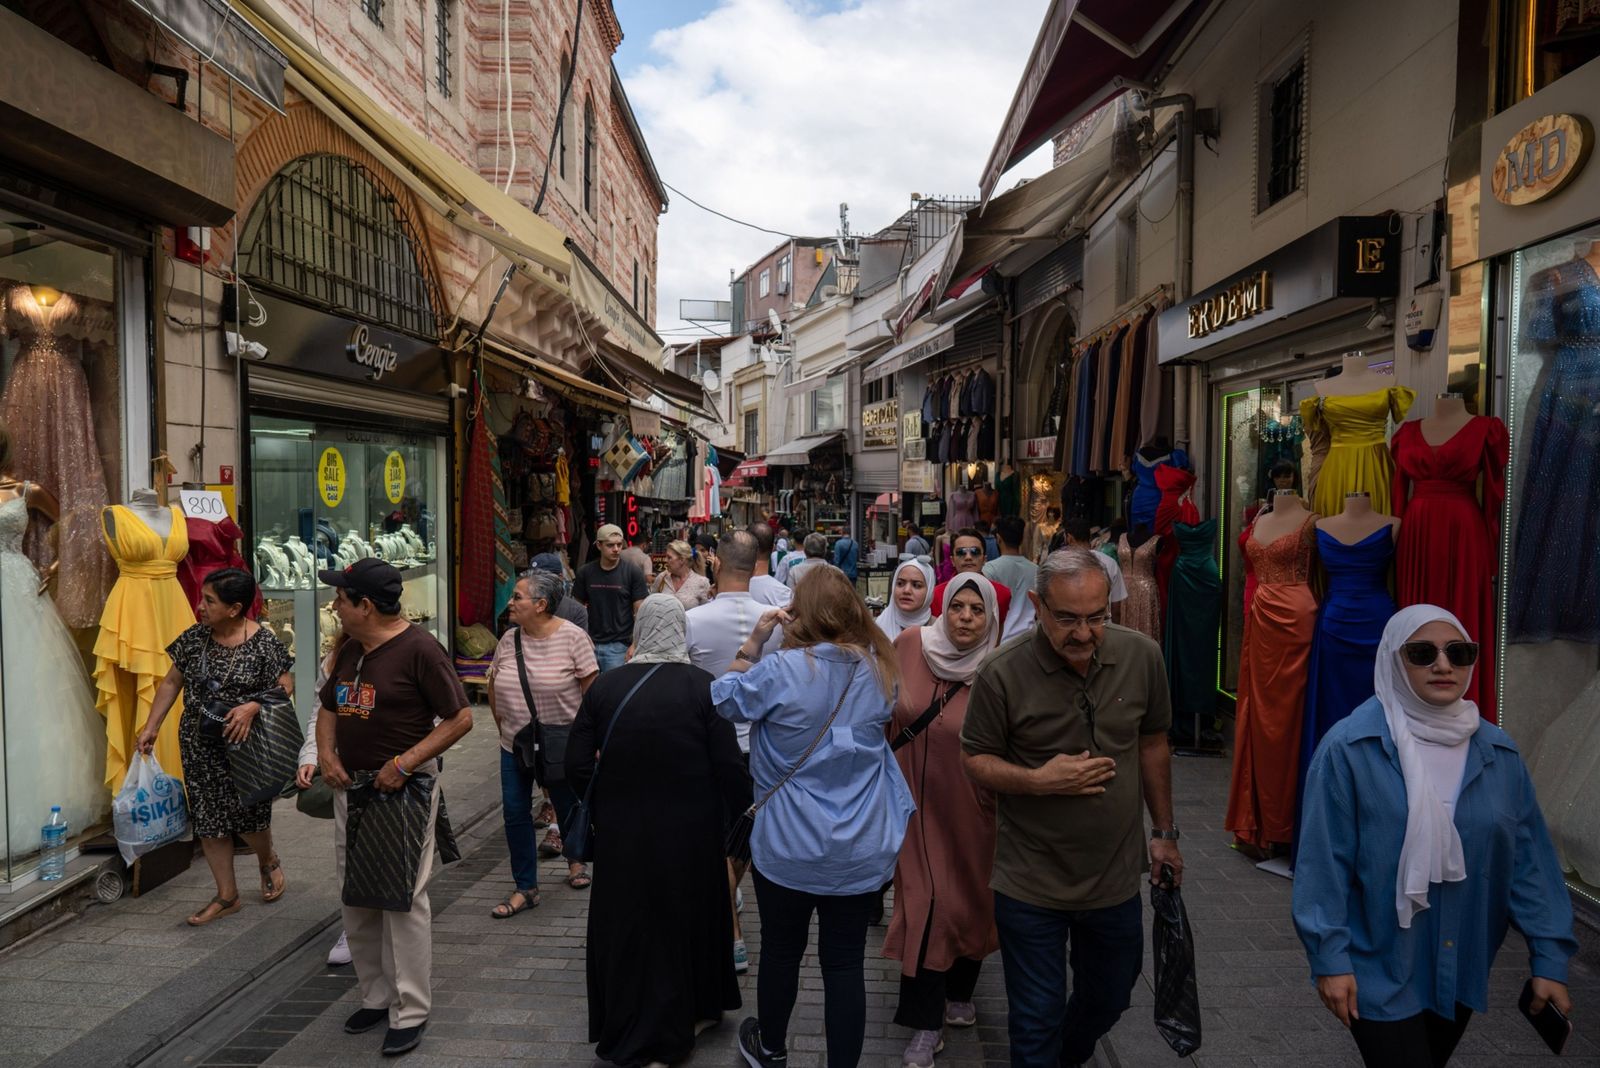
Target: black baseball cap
547, 562
373, 579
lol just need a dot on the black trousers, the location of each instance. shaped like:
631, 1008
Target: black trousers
1423, 1041
841, 952
923, 996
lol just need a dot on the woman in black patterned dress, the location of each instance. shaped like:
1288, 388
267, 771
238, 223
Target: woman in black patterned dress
221, 663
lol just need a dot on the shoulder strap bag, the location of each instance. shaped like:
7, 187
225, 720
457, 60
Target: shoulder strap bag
737, 844
929, 714
578, 839
527, 747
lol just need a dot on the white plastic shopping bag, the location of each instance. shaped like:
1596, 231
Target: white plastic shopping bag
149, 811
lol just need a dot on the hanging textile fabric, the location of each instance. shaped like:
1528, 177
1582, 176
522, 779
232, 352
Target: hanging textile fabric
475, 603
505, 569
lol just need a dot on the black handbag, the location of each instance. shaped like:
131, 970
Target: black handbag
578, 836
528, 744
264, 764
737, 845
929, 714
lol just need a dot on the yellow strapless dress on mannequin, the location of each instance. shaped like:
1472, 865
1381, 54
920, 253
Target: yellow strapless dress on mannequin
1358, 457
145, 612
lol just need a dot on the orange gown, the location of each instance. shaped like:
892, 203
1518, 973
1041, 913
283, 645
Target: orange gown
1273, 666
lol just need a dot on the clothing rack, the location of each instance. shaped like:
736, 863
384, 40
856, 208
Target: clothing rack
1124, 316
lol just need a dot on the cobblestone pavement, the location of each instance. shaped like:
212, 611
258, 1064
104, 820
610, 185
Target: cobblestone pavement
98, 989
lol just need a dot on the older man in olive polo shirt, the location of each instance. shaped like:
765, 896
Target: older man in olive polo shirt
1068, 725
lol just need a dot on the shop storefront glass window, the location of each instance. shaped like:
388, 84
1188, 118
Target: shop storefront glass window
325, 496
1550, 697
827, 407
61, 429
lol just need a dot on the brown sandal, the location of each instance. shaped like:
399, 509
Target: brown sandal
272, 889
225, 907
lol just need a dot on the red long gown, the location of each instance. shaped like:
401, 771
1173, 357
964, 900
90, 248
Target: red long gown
1273, 666
1175, 507
1446, 554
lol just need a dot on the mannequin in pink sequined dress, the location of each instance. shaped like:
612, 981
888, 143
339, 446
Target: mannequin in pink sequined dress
46, 406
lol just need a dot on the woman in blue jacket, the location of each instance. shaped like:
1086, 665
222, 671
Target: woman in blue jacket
1422, 843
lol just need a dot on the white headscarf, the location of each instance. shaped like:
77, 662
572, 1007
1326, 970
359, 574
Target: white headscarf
944, 659
658, 632
1432, 849
891, 620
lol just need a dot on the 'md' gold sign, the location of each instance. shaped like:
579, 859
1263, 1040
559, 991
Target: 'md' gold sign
1540, 159
1245, 299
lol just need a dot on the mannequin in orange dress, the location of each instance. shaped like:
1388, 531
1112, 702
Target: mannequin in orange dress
1274, 664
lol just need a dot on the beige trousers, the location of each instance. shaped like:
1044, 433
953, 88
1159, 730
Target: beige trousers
392, 951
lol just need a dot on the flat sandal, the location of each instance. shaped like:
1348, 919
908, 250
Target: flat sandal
227, 907
268, 894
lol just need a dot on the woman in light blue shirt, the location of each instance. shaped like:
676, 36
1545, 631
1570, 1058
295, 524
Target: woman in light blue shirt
1421, 844
826, 839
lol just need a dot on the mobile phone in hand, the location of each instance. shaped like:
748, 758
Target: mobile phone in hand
1551, 1023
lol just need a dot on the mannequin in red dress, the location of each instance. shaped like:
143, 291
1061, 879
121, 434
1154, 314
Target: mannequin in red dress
1446, 554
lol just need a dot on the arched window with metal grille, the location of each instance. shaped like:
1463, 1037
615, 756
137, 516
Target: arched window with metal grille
326, 231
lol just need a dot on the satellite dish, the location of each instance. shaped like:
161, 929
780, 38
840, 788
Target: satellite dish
710, 380
774, 321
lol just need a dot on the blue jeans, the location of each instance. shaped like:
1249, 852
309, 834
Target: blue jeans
518, 796
610, 654
1107, 951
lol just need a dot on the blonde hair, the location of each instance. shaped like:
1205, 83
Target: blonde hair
826, 609
681, 548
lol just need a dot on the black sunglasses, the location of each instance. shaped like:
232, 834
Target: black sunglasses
968, 551
1422, 654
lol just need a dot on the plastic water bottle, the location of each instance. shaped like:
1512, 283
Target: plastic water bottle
53, 847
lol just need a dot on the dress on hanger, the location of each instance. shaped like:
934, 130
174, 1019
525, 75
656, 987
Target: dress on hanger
1010, 487
47, 408
50, 732
145, 613
1555, 585
1195, 605
1358, 454
988, 504
212, 547
1273, 667
1146, 494
963, 510
1083, 408
1141, 611
1176, 507
1344, 645
1449, 543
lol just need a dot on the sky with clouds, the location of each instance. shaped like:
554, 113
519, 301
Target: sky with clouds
774, 111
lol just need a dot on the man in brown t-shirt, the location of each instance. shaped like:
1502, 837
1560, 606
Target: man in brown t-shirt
390, 683
1067, 724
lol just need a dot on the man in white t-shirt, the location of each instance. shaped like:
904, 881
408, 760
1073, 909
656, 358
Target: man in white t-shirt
714, 633
1081, 536
763, 587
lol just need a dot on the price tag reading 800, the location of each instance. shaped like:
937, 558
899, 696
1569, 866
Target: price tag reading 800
203, 504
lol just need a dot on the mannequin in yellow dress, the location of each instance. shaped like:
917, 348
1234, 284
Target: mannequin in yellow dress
1354, 408
144, 613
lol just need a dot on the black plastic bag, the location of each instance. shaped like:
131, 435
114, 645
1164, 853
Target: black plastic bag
1177, 1008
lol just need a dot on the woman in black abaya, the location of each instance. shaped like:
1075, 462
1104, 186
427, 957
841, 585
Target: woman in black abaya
668, 782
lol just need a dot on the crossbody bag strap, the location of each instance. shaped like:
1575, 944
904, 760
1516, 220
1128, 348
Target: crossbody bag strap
606, 741
812, 748
527, 693
929, 714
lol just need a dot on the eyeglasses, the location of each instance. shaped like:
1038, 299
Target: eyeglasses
1070, 622
969, 551
1423, 654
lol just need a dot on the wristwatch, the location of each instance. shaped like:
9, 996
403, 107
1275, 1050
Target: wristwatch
1164, 836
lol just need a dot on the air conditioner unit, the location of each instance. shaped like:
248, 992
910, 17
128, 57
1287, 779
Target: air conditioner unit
783, 289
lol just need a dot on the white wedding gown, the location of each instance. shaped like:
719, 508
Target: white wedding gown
53, 739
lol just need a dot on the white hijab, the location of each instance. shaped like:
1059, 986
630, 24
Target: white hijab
891, 620
658, 632
1432, 849
944, 659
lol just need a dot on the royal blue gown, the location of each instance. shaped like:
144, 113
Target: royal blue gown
1344, 647
1555, 583
1146, 494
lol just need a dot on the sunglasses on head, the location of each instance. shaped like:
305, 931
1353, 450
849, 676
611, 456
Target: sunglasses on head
1422, 654
968, 550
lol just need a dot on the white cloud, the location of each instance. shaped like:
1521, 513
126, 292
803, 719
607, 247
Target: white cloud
774, 111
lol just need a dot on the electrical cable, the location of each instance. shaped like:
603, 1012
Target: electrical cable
720, 215
561, 109
505, 67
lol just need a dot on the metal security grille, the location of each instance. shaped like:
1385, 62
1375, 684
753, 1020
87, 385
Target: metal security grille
373, 9
752, 433
1284, 115
325, 231
441, 51
1058, 271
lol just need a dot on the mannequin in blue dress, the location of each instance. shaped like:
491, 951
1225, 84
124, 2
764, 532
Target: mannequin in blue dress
1146, 494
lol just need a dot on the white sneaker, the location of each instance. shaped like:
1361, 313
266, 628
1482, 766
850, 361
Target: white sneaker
738, 900
741, 957
340, 953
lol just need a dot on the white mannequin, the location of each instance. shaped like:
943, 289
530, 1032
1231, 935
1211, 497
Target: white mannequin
1359, 520
1288, 514
1449, 418
147, 506
1354, 378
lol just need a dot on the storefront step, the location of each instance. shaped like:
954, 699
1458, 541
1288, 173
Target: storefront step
38, 905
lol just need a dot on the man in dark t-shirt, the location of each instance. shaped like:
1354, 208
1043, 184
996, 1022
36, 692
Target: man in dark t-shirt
612, 589
389, 684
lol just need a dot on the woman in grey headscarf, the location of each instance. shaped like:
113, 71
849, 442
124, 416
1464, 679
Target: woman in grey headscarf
667, 779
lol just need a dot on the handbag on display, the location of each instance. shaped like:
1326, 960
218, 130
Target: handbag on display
578, 836
264, 764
